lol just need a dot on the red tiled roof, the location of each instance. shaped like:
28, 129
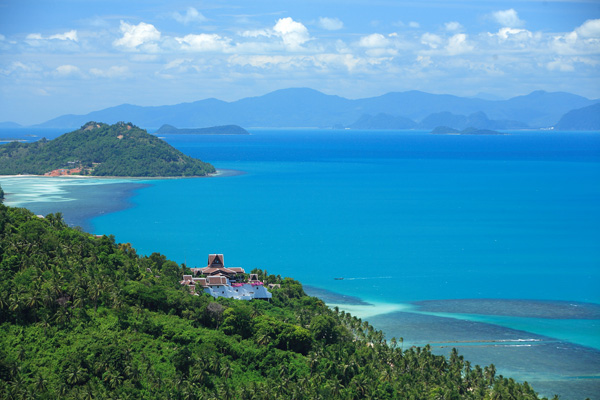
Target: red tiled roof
212, 271
216, 260
201, 281
217, 280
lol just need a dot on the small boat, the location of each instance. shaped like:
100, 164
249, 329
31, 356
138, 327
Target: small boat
339, 279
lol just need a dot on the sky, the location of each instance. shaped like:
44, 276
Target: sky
76, 56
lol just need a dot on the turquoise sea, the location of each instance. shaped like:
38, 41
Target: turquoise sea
490, 244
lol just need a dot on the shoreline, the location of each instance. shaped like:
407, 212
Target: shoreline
220, 173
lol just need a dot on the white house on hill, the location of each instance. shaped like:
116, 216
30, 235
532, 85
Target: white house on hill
219, 281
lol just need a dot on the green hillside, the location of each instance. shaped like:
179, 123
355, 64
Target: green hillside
121, 149
84, 317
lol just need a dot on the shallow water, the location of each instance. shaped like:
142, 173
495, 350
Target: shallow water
78, 199
551, 366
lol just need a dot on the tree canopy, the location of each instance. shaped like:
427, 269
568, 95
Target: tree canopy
82, 316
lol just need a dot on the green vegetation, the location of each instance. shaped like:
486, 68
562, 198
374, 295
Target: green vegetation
1, 195
84, 317
121, 149
214, 130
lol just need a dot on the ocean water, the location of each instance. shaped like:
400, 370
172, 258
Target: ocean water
403, 217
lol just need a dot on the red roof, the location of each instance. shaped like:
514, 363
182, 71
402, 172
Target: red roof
216, 261
216, 265
217, 271
217, 280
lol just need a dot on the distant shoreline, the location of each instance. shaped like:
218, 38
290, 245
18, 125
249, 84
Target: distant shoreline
219, 173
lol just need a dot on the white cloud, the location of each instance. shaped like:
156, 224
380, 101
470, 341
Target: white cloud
257, 33
453, 26
330, 24
112, 72
191, 15
67, 70
432, 40
293, 33
458, 44
2, 37
179, 66
560, 65
425, 61
377, 46
41, 92
514, 34
177, 63
136, 36
264, 61
413, 24
373, 41
508, 18
70, 35
323, 62
589, 29
204, 42
585, 39
34, 36
17, 66
346, 61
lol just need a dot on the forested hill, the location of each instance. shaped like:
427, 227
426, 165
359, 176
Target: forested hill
99, 149
84, 317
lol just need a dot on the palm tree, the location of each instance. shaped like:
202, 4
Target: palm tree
76, 375
225, 370
40, 383
96, 289
490, 374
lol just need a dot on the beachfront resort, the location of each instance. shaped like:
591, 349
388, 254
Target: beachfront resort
219, 281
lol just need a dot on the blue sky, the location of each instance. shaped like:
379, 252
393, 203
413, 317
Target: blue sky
75, 56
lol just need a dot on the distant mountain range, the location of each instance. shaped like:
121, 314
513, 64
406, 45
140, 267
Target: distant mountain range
311, 108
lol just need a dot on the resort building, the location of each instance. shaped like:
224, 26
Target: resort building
216, 266
219, 281
63, 171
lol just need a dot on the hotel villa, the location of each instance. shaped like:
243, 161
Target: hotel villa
219, 281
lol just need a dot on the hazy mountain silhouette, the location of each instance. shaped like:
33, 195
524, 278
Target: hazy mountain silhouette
303, 107
586, 118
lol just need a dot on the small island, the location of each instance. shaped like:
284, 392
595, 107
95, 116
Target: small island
213, 130
98, 149
445, 130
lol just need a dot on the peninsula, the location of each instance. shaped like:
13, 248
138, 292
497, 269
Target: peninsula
99, 149
85, 317
214, 130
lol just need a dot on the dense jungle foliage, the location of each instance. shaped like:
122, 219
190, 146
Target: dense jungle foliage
121, 149
84, 317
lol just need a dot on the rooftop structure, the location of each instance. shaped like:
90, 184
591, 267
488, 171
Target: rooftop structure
219, 281
63, 171
216, 266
